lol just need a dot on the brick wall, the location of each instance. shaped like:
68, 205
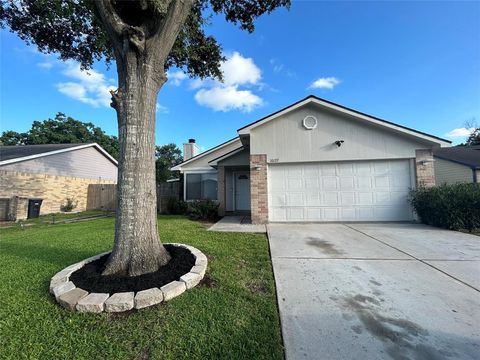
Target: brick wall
259, 188
52, 189
221, 190
424, 167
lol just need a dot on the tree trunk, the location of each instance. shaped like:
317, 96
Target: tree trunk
137, 248
141, 50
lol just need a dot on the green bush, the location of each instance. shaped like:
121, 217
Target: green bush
176, 206
69, 205
203, 210
453, 207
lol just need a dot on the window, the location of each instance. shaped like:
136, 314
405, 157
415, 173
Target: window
201, 186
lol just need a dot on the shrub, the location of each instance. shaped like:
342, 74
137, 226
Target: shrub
203, 210
69, 205
449, 206
176, 206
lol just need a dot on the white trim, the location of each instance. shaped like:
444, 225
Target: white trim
246, 130
48, 153
199, 156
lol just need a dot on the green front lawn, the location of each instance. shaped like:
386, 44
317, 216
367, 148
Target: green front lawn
231, 315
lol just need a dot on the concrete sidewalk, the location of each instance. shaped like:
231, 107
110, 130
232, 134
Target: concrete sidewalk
377, 291
239, 223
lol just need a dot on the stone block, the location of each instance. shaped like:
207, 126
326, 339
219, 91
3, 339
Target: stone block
148, 297
173, 289
201, 260
56, 282
119, 302
93, 302
191, 279
70, 299
62, 289
199, 269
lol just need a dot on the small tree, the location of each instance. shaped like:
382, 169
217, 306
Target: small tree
167, 156
145, 38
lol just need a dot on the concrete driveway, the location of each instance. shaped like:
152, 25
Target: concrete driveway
377, 291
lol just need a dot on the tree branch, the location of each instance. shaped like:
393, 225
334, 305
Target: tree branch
110, 18
169, 27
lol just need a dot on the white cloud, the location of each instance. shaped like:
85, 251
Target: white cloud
90, 87
237, 71
47, 65
324, 83
161, 109
226, 98
459, 133
176, 78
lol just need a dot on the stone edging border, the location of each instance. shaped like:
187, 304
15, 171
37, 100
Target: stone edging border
76, 299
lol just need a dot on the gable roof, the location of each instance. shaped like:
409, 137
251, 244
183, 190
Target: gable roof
209, 151
465, 155
17, 153
331, 105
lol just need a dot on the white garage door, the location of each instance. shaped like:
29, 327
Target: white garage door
343, 191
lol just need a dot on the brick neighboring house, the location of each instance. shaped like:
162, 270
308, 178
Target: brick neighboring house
314, 161
38, 179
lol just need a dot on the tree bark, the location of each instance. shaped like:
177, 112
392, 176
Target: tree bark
140, 53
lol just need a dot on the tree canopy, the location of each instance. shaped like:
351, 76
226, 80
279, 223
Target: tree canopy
62, 129
74, 29
166, 157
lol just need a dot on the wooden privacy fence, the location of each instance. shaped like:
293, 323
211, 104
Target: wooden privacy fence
104, 196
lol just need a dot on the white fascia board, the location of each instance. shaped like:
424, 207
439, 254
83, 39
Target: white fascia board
199, 156
391, 126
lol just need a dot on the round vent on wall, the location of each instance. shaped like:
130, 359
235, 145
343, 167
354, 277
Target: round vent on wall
310, 122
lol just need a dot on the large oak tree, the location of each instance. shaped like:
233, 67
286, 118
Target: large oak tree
144, 38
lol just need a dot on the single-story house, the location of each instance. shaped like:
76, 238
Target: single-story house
457, 164
314, 161
38, 179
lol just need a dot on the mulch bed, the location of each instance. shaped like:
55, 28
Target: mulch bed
90, 279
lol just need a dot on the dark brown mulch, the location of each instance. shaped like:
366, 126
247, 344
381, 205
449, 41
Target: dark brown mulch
89, 277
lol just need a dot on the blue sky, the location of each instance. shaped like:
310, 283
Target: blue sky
413, 63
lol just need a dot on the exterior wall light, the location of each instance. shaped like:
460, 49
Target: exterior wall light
339, 142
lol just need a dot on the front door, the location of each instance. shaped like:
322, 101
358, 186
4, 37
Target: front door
242, 190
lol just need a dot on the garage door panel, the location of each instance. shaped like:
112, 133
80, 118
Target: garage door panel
313, 200
347, 183
295, 214
278, 200
363, 183
330, 198
328, 169
295, 199
347, 198
329, 183
344, 191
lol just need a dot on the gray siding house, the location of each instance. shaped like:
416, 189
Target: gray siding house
315, 161
38, 179
458, 164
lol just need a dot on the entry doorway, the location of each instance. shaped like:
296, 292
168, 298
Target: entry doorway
242, 190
